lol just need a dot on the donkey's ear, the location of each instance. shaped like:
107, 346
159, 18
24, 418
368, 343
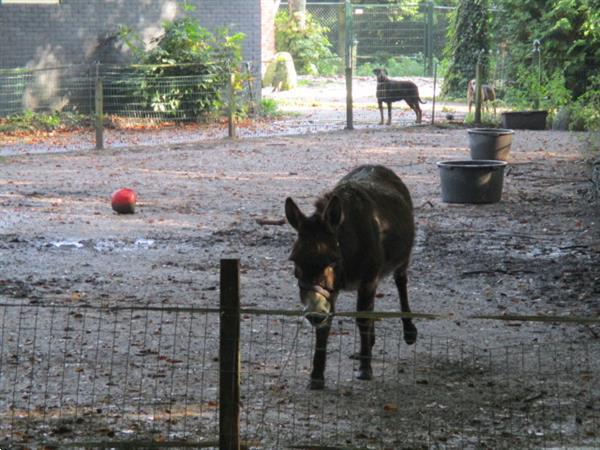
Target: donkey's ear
333, 212
293, 214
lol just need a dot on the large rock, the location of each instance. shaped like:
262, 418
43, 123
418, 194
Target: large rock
562, 119
281, 73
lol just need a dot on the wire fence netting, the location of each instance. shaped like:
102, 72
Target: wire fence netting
73, 375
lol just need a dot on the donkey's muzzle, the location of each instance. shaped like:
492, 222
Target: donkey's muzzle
317, 320
316, 307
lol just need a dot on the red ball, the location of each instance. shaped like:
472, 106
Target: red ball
123, 201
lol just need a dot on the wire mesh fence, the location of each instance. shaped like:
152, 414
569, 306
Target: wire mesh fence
149, 92
383, 33
94, 377
70, 374
51, 89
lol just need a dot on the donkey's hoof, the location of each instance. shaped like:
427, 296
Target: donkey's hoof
316, 384
410, 334
364, 374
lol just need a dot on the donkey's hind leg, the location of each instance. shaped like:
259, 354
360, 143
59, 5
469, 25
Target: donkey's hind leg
410, 331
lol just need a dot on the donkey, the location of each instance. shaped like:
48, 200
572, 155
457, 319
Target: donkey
361, 231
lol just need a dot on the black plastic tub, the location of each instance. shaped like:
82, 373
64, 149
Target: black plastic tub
472, 181
490, 143
525, 120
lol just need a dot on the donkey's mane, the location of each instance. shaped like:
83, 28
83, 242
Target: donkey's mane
322, 201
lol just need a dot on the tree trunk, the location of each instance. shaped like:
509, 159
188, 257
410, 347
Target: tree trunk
297, 10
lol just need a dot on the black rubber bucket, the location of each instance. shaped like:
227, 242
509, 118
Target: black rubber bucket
490, 143
525, 120
473, 181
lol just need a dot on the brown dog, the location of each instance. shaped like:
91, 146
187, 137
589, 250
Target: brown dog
389, 91
488, 94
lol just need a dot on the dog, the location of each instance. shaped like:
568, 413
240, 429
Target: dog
389, 91
488, 94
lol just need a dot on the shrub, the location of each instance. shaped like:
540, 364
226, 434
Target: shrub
487, 119
309, 47
527, 91
269, 108
48, 121
185, 71
585, 112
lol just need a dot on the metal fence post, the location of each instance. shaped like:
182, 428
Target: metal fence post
349, 56
229, 356
429, 40
99, 110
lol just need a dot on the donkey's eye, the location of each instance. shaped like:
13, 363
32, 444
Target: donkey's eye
297, 272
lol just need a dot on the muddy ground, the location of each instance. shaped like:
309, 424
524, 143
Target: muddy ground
537, 252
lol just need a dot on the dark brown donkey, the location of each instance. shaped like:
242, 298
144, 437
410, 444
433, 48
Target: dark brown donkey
361, 231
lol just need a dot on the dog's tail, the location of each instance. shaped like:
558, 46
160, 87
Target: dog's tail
421, 101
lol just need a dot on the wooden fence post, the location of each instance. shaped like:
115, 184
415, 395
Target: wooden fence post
231, 107
349, 101
99, 111
478, 98
434, 89
229, 357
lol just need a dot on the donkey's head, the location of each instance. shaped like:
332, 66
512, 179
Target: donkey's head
317, 258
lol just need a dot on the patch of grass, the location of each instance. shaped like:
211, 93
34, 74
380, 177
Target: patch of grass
269, 108
487, 119
33, 121
304, 82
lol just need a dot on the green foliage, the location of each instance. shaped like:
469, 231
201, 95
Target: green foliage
33, 121
403, 66
585, 112
527, 92
187, 67
309, 46
568, 31
468, 42
269, 108
487, 119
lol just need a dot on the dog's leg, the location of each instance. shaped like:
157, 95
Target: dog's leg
380, 103
389, 105
417, 109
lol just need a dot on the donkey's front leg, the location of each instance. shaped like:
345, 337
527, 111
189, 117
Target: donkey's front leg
317, 376
366, 296
410, 331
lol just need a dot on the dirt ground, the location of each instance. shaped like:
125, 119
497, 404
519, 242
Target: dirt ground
537, 252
